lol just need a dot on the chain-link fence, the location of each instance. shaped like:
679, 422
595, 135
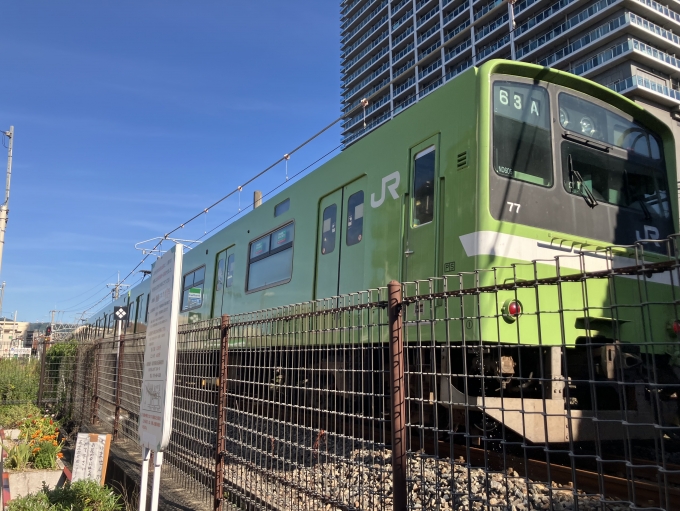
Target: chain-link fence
550, 385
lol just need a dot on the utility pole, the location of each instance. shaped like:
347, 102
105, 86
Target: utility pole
2, 296
115, 293
4, 209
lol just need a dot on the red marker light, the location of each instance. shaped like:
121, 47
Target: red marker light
515, 309
676, 327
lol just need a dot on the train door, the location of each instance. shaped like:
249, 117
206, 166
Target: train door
224, 278
421, 230
351, 275
330, 237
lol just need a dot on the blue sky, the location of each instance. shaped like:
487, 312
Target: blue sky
131, 116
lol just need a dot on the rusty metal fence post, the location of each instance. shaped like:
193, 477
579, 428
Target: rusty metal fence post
221, 411
94, 407
41, 385
119, 385
398, 396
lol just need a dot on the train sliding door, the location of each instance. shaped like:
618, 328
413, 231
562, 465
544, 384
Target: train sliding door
329, 236
421, 230
340, 257
224, 278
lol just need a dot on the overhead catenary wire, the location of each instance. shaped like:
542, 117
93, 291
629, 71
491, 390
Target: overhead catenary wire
205, 210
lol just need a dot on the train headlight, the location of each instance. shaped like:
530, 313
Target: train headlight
512, 309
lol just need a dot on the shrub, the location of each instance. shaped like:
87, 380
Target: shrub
11, 416
80, 496
19, 379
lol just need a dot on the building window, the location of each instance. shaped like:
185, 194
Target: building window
282, 207
355, 218
328, 229
270, 260
192, 289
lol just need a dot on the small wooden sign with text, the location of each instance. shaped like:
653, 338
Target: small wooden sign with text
91, 458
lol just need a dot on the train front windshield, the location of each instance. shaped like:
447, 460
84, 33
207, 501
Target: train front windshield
578, 166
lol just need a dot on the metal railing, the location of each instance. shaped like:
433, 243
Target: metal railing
550, 384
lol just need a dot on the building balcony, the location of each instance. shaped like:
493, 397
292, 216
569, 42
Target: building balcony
457, 50
431, 68
427, 16
349, 20
427, 51
361, 43
403, 87
398, 7
488, 50
365, 67
458, 69
347, 66
488, 8
369, 127
373, 15
649, 89
574, 23
407, 16
487, 30
403, 53
610, 30
632, 48
456, 13
530, 25
402, 36
366, 81
430, 87
451, 34
434, 29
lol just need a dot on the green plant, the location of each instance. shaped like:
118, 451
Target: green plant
45, 455
80, 496
19, 379
18, 456
11, 416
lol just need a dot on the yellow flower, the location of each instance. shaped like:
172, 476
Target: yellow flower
54, 442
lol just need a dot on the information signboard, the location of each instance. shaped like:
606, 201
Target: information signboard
91, 458
155, 409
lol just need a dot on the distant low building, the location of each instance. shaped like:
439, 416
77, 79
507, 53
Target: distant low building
13, 337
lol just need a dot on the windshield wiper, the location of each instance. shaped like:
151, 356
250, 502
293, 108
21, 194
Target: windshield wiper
645, 209
585, 191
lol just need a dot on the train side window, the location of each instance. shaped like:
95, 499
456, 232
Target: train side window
328, 229
271, 259
146, 311
423, 187
230, 270
192, 289
282, 207
219, 281
355, 218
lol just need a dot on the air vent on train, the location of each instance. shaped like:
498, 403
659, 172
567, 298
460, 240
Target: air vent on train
462, 160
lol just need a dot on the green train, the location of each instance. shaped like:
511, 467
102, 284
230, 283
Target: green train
507, 164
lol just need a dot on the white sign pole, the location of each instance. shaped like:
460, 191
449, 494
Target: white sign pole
146, 454
158, 384
157, 462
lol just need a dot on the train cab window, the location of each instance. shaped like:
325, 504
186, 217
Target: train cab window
522, 147
328, 229
270, 260
423, 187
355, 218
282, 207
192, 289
230, 270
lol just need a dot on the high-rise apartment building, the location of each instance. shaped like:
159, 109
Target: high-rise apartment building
404, 49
